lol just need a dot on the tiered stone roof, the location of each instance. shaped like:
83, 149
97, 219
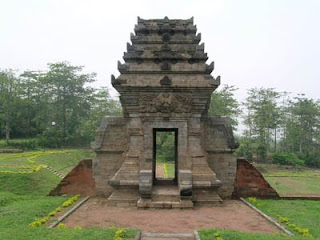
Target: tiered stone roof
165, 52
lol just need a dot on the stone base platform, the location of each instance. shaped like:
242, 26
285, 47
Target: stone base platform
124, 198
164, 197
202, 197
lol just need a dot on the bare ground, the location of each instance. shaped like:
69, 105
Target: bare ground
232, 214
160, 171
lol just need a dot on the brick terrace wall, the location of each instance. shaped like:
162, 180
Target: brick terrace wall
250, 182
78, 181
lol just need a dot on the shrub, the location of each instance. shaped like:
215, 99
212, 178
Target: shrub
61, 225
51, 138
262, 153
58, 209
244, 150
25, 144
311, 160
287, 159
70, 201
120, 234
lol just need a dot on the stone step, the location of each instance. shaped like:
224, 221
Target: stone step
129, 168
148, 203
203, 177
131, 164
165, 198
129, 176
125, 182
205, 184
201, 184
202, 169
165, 193
124, 198
206, 197
201, 160
166, 236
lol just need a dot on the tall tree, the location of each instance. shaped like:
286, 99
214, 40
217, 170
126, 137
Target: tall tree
305, 124
223, 103
263, 117
9, 91
101, 105
68, 98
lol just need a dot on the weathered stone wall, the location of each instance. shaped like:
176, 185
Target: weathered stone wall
250, 182
225, 166
78, 181
110, 146
220, 144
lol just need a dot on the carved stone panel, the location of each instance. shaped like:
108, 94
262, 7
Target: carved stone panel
166, 102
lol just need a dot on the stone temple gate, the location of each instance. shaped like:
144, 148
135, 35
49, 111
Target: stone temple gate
165, 85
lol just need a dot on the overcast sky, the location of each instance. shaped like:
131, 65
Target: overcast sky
257, 43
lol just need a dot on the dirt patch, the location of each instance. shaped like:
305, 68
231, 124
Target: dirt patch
232, 214
78, 181
160, 171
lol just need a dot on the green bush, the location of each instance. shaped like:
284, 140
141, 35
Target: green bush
262, 153
51, 138
25, 144
244, 150
311, 160
287, 159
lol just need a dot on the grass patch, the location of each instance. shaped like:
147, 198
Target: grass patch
209, 234
61, 160
290, 179
23, 198
169, 170
38, 183
297, 185
285, 170
304, 213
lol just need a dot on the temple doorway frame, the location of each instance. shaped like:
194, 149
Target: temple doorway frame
169, 181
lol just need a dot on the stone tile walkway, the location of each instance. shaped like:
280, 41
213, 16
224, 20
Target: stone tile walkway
232, 214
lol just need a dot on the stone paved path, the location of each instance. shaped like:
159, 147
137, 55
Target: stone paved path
160, 171
233, 215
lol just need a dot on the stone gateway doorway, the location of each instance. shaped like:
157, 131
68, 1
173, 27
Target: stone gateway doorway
165, 149
165, 87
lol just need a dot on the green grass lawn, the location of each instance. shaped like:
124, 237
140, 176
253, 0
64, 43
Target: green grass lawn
61, 160
306, 185
169, 170
23, 198
290, 180
303, 213
209, 234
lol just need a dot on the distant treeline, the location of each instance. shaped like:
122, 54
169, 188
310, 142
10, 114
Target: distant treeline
59, 107
278, 126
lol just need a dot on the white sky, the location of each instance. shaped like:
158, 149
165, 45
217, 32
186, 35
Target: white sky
269, 43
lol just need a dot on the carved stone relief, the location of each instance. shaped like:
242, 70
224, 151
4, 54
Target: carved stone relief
166, 102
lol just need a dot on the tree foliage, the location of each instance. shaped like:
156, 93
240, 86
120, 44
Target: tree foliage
281, 126
223, 103
58, 105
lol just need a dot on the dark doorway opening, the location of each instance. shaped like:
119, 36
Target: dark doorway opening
165, 146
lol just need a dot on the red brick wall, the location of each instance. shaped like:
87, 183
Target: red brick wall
78, 181
250, 182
